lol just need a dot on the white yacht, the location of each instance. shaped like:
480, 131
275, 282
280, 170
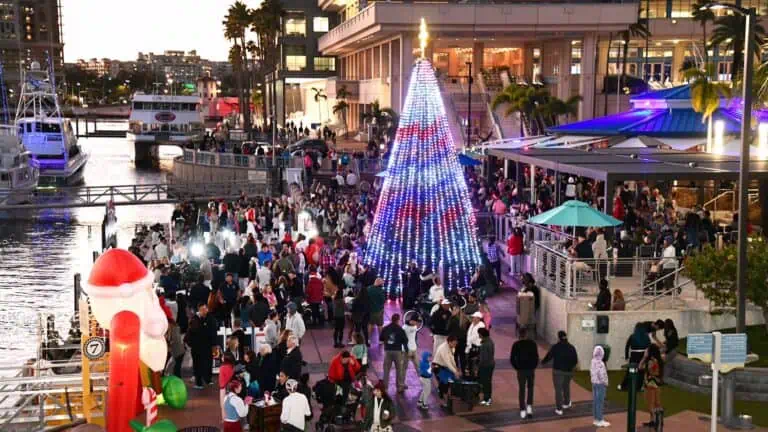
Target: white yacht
18, 170
48, 136
164, 119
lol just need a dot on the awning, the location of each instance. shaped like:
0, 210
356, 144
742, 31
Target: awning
513, 143
639, 142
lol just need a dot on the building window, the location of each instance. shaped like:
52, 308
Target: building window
325, 64
320, 24
295, 24
575, 60
295, 57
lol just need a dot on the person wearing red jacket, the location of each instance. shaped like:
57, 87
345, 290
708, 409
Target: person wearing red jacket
618, 208
343, 370
515, 251
315, 288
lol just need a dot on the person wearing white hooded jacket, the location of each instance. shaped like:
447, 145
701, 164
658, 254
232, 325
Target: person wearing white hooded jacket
599, 377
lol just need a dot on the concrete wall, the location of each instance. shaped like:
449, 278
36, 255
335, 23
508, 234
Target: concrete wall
189, 172
554, 315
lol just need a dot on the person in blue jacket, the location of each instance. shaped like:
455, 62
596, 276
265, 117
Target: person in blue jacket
425, 375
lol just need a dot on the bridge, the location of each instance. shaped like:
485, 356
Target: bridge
99, 196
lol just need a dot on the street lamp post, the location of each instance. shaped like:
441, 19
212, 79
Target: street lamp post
746, 130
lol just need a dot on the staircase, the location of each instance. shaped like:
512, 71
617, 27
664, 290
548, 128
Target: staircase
504, 126
454, 125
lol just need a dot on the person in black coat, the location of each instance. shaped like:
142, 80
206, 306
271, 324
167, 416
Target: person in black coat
565, 359
201, 337
603, 302
259, 310
525, 358
411, 285
267, 368
292, 360
199, 293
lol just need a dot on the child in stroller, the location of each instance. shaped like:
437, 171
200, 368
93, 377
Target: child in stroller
337, 413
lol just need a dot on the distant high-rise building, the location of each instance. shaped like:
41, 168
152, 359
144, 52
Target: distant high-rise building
28, 31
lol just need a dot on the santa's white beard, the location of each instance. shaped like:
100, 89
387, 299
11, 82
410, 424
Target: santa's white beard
145, 304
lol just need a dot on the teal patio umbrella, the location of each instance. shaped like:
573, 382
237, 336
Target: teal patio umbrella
575, 213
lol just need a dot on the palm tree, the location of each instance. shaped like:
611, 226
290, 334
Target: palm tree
529, 103
706, 95
237, 64
342, 106
319, 96
638, 30
555, 108
266, 23
703, 14
510, 96
730, 31
383, 119
236, 22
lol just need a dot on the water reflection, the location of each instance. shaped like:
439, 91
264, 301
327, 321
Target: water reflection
40, 255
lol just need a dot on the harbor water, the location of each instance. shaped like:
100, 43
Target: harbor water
40, 254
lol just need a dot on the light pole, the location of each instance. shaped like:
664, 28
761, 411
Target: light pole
746, 130
469, 103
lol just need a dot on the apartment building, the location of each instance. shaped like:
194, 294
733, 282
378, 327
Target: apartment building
30, 31
301, 63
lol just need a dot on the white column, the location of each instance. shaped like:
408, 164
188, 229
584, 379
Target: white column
678, 57
564, 74
587, 78
406, 64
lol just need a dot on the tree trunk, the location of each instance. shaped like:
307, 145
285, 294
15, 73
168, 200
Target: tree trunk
738, 60
706, 50
605, 79
246, 87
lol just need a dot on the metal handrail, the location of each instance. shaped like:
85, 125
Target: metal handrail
664, 293
644, 288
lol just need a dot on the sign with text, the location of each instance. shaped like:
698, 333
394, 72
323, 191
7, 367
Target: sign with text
700, 346
733, 350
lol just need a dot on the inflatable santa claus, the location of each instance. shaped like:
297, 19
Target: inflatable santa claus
121, 282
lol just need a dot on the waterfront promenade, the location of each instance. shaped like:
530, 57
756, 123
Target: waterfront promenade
503, 415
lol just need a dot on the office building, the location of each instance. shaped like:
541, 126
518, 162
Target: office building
301, 63
29, 30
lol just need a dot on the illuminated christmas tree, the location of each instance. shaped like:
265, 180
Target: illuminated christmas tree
424, 212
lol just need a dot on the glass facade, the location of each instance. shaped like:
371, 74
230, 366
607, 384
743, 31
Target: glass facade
683, 8
325, 64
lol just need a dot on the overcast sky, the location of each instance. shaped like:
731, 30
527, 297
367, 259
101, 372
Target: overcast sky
119, 29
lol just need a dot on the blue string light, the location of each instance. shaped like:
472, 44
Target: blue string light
424, 212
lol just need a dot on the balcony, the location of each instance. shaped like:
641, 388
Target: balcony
384, 19
333, 84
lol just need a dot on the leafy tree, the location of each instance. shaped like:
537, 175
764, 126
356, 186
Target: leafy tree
384, 121
637, 30
706, 94
341, 106
236, 22
714, 273
266, 23
730, 32
319, 96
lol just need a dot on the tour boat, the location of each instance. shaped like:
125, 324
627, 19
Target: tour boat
18, 170
45, 132
165, 119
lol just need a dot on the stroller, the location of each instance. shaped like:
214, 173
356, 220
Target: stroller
337, 414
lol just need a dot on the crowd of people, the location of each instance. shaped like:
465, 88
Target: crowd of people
281, 266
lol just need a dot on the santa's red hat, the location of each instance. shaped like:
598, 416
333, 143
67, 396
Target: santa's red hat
117, 273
